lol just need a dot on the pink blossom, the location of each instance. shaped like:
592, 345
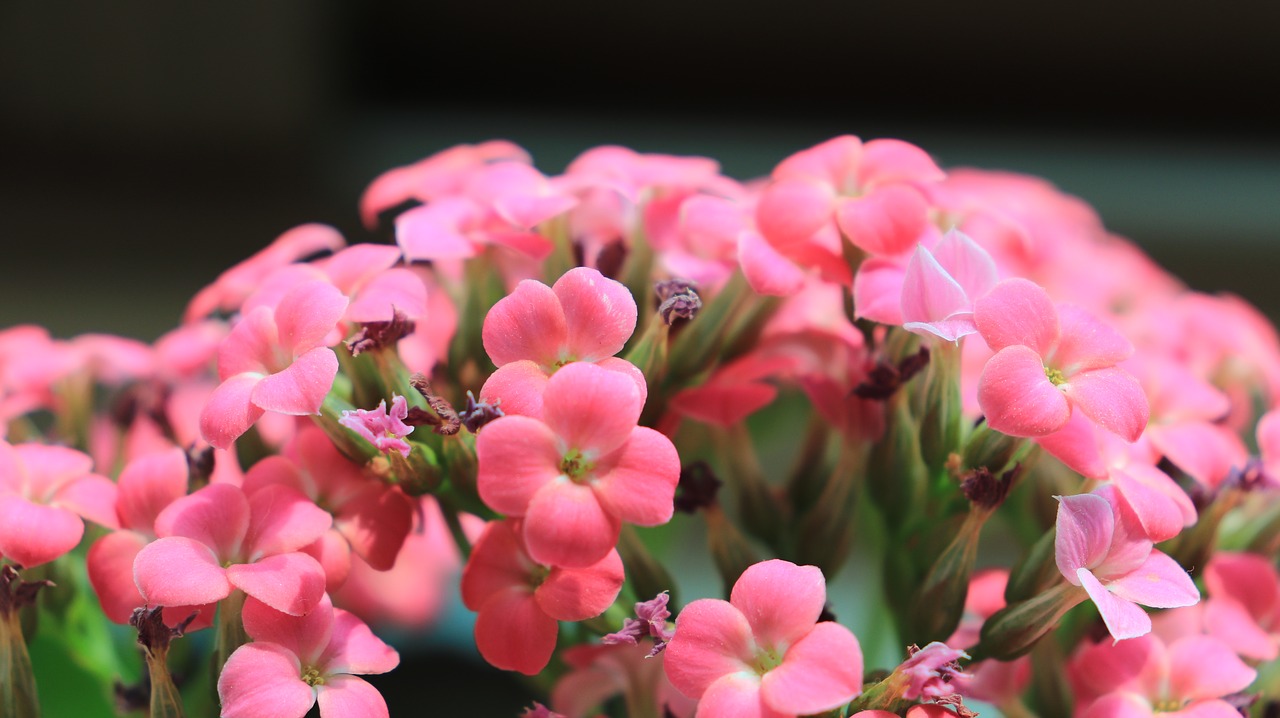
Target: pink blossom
275, 360
436, 176
44, 493
940, 287
380, 428
650, 622
579, 472
763, 653
931, 670
293, 662
1243, 609
1143, 678
217, 540
1101, 546
518, 600
1049, 359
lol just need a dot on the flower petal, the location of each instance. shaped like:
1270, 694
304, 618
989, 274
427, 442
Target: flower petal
306, 314
291, 583
1086, 342
515, 456
513, 633
282, 520
110, 566
821, 671
263, 679
592, 410
1159, 582
1016, 396
600, 313
1111, 397
1124, 619
33, 534
529, 324
354, 649
713, 639
567, 526
576, 594
929, 293
216, 516
376, 522
350, 696
1017, 311
179, 571
1085, 526
1202, 667
519, 387
147, 486
766, 269
229, 411
304, 636
298, 390
737, 695
637, 482
887, 221
92, 497
781, 601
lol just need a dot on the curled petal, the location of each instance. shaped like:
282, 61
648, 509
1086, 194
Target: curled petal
299, 389
1017, 311
1016, 396
1111, 397
1085, 526
178, 571
291, 583
229, 411
1124, 619
822, 671
600, 313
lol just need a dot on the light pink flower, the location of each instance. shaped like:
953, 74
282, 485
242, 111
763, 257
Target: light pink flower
44, 492
1049, 359
579, 472
940, 287
275, 360
1243, 609
518, 600
1101, 547
763, 654
293, 662
931, 670
1144, 678
217, 540
436, 176
385, 430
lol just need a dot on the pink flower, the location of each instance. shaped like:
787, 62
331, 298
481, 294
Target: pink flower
940, 287
380, 428
217, 540
1144, 678
1243, 609
518, 600
931, 670
763, 654
294, 662
275, 360
44, 492
436, 176
1101, 546
1048, 359
579, 472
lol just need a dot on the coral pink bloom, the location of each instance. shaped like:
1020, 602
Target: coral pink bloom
44, 492
369, 517
147, 485
217, 540
940, 287
763, 654
1185, 415
234, 285
436, 176
275, 360
1243, 609
602, 672
1048, 359
535, 330
367, 273
294, 662
582, 470
518, 600
1101, 547
1144, 678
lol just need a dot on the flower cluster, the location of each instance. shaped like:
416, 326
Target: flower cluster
861, 353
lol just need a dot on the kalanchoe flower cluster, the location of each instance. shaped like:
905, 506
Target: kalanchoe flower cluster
861, 353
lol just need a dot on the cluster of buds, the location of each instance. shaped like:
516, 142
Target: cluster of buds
862, 353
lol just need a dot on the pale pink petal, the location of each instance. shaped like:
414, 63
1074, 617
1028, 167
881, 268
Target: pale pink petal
532, 245
1076, 445
713, 639
291, 583
929, 293
1087, 343
304, 636
877, 290
529, 324
300, 389
576, 594
250, 347
1207, 452
967, 263
528, 211
591, 409
1017, 397
1159, 582
1162, 506
1123, 705
49, 468
767, 270
393, 290
354, 266
216, 516
885, 161
148, 485
1085, 527
637, 482
435, 231
1203, 667
513, 633
350, 696
1124, 619
519, 386
515, 456
263, 680
307, 313
282, 520
738, 695
600, 313
229, 411
33, 534
1228, 620
780, 600
1017, 311
93, 497
821, 671
791, 211
354, 649
567, 526
178, 571
1111, 397
110, 566
1207, 709
376, 523
887, 221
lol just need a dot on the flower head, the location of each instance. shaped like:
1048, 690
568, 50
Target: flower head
385, 430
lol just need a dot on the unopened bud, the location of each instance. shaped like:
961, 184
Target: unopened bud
1014, 629
373, 336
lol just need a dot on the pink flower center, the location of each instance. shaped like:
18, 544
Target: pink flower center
1168, 705
312, 676
1056, 377
577, 467
767, 659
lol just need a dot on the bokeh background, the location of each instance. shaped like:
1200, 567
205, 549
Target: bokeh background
144, 147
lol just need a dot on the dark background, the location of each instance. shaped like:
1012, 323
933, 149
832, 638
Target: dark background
145, 147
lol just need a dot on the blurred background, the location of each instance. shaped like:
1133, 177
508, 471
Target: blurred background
144, 148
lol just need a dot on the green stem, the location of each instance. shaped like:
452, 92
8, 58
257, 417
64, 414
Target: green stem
230, 630
17, 680
166, 700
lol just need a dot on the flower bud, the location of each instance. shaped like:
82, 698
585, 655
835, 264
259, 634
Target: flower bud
1035, 572
938, 604
1014, 629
